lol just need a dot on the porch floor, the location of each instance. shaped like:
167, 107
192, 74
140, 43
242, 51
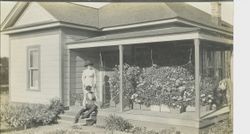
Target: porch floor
158, 120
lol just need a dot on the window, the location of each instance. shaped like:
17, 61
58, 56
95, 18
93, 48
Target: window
33, 68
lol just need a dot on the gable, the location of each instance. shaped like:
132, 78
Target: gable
34, 14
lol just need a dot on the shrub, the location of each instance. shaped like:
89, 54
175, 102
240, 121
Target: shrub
117, 123
139, 130
56, 106
28, 115
170, 85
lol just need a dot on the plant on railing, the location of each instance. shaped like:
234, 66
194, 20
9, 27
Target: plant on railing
207, 89
170, 85
173, 86
131, 78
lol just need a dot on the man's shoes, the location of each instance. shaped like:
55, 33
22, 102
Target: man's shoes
84, 116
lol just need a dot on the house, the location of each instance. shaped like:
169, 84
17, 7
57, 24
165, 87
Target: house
50, 43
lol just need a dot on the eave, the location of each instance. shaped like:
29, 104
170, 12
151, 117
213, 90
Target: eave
173, 20
189, 35
45, 25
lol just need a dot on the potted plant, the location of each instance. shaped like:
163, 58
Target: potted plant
208, 86
165, 98
136, 101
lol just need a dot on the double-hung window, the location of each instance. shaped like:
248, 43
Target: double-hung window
34, 68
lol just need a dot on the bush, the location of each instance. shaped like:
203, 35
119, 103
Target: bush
117, 123
28, 115
56, 106
139, 130
170, 85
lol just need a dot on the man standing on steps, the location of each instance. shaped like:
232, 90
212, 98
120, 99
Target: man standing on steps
89, 106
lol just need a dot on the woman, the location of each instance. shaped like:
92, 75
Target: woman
89, 77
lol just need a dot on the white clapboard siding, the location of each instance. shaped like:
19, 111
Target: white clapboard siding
48, 43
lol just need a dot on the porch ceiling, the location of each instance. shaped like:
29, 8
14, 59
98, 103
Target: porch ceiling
146, 36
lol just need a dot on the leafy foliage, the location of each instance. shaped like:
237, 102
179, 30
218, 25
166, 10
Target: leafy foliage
169, 85
117, 123
172, 86
207, 88
28, 115
131, 76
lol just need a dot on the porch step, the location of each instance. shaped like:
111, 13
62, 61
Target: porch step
71, 118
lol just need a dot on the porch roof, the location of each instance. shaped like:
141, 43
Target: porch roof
154, 32
148, 36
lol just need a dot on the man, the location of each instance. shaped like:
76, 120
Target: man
89, 106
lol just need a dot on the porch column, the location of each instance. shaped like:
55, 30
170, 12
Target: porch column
69, 76
197, 77
121, 78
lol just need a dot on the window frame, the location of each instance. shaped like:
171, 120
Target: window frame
30, 69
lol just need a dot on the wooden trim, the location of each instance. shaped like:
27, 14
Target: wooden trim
46, 25
216, 39
151, 23
10, 69
13, 15
157, 22
37, 27
61, 60
28, 70
137, 40
121, 76
197, 77
69, 75
205, 27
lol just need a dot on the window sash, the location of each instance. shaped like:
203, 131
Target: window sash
33, 68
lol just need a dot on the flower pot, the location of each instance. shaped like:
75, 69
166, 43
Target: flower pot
205, 108
136, 106
175, 110
165, 108
190, 109
156, 108
145, 108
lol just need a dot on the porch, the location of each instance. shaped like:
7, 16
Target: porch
204, 55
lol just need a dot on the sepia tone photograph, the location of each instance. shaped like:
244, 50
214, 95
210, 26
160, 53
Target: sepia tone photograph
116, 67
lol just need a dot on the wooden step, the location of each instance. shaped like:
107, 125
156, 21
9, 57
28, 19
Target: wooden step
70, 118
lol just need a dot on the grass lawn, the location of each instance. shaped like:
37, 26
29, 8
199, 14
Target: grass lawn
61, 128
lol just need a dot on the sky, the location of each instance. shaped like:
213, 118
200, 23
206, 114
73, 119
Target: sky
6, 6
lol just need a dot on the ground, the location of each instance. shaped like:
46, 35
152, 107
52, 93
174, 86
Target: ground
61, 128
67, 128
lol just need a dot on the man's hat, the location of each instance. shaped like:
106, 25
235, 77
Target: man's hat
88, 63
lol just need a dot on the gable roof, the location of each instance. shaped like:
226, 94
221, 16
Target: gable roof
72, 13
120, 14
129, 13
